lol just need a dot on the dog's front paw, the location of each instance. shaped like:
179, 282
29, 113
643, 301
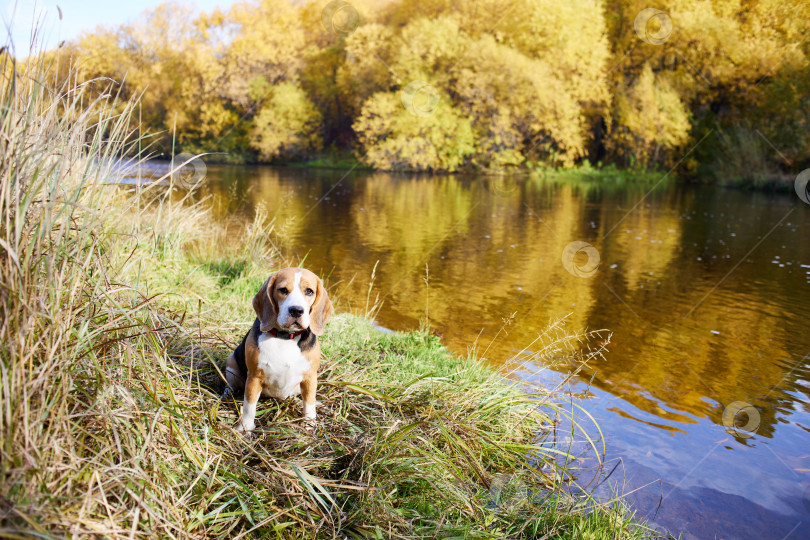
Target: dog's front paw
309, 411
246, 430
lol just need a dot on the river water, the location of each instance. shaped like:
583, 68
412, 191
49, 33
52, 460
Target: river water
706, 291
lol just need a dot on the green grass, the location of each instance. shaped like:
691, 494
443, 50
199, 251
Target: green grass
119, 306
344, 161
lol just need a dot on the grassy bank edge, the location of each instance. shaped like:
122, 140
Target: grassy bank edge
727, 173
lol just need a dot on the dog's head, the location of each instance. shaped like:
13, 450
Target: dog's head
293, 299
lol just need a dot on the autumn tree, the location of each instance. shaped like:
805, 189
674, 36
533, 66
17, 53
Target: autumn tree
287, 125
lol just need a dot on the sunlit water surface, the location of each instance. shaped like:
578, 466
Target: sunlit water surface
706, 291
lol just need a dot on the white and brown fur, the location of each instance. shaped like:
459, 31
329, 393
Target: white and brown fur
292, 300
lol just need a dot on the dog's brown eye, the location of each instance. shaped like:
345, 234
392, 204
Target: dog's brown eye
309, 292
283, 290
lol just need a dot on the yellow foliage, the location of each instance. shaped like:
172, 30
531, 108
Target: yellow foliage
268, 40
287, 125
429, 47
649, 118
365, 69
394, 138
518, 105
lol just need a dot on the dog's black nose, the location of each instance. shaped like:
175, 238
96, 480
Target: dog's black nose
296, 311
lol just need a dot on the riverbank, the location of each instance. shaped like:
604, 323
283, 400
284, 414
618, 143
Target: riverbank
119, 305
765, 178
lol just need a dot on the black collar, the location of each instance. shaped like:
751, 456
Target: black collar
283, 334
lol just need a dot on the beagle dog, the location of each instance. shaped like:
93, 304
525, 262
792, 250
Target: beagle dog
280, 354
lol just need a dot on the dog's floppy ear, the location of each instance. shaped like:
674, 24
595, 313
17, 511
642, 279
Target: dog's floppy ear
265, 306
320, 311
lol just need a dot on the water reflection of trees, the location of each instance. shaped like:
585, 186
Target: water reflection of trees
494, 252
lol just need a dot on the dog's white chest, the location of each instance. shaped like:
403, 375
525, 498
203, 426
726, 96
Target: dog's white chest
283, 366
